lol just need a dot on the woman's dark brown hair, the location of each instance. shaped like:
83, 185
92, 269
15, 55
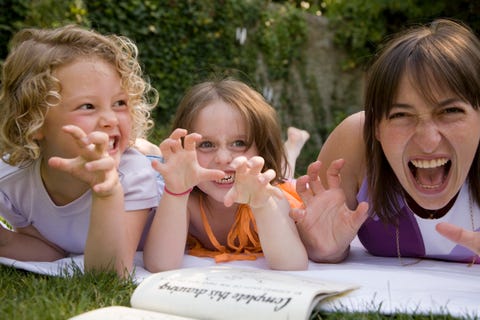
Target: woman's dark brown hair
444, 55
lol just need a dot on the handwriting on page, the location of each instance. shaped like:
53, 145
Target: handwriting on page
278, 302
223, 292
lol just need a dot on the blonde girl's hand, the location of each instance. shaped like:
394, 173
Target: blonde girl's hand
326, 225
180, 168
251, 186
466, 238
93, 164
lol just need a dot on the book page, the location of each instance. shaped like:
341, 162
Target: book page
125, 313
233, 293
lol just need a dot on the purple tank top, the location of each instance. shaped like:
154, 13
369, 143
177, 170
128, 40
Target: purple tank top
380, 239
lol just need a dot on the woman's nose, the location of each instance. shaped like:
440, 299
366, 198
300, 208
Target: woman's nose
427, 135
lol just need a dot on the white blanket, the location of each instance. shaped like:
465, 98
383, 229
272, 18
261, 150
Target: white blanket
386, 286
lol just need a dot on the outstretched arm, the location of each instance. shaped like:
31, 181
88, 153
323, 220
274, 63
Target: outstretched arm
112, 235
281, 244
165, 245
326, 225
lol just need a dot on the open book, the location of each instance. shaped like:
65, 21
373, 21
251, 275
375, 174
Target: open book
224, 293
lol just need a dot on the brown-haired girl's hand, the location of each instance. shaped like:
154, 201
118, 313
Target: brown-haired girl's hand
466, 238
326, 225
93, 164
251, 186
180, 168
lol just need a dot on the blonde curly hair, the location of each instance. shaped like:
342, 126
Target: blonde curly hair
29, 86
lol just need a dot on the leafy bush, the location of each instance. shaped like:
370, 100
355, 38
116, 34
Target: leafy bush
361, 25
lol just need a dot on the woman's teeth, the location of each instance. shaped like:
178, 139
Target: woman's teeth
434, 163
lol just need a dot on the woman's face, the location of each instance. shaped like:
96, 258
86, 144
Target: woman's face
430, 147
224, 137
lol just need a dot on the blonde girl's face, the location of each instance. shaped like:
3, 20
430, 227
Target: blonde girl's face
91, 98
224, 136
430, 146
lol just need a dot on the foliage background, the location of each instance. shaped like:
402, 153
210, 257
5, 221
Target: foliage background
183, 42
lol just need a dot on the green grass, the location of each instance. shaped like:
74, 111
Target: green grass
26, 295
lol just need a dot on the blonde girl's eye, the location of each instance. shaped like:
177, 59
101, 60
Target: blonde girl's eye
86, 106
120, 104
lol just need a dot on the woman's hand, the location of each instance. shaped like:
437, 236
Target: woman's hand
326, 225
466, 238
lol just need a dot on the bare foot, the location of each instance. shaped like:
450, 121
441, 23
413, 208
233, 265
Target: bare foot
296, 139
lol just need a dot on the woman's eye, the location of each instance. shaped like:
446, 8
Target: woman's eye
402, 118
397, 115
452, 110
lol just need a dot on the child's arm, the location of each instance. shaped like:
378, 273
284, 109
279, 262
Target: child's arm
281, 244
27, 244
165, 245
112, 235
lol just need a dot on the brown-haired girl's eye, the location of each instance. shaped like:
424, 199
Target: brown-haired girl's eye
205, 145
239, 143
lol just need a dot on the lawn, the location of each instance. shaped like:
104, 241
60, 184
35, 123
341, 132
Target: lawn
26, 295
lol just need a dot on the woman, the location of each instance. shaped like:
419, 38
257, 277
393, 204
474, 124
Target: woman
409, 185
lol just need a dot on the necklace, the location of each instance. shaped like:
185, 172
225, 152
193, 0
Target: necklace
397, 232
425, 213
472, 220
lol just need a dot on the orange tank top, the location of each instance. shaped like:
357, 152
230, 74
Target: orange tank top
242, 241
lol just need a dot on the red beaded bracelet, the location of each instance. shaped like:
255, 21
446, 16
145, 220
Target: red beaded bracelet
177, 194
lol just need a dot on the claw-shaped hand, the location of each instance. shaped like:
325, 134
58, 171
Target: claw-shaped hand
326, 225
251, 186
180, 168
93, 164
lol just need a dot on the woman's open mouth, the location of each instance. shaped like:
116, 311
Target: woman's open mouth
430, 174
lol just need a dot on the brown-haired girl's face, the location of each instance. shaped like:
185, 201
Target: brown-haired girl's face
429, 145
224, 137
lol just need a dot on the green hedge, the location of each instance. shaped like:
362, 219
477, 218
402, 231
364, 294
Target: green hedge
361, 25
184, 41
180, 42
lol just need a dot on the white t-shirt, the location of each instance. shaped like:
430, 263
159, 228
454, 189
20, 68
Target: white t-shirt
24, 200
